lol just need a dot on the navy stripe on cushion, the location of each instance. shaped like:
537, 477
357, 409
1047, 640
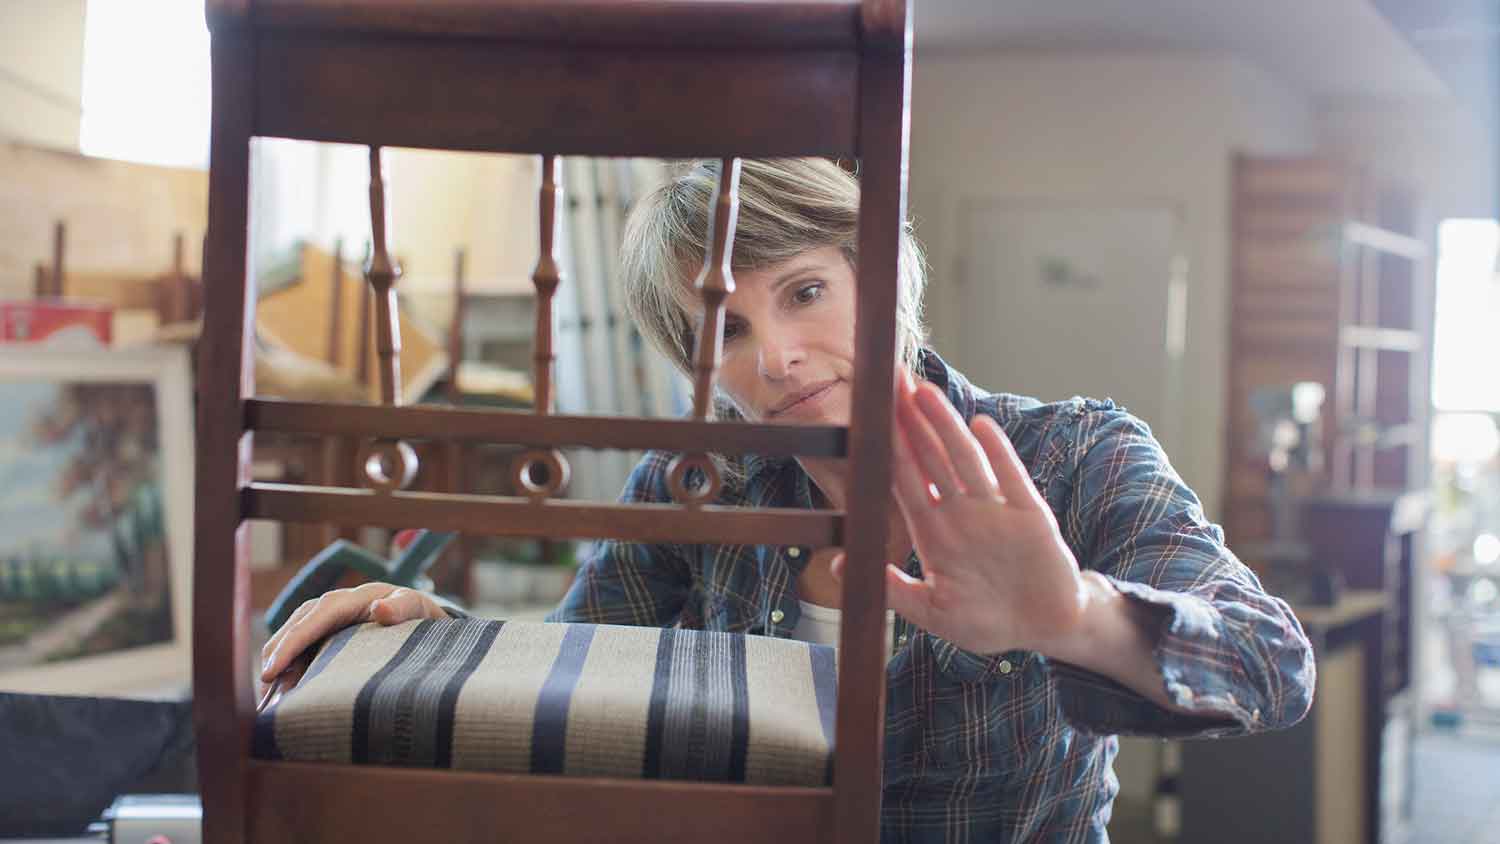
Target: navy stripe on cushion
826, 687
364, 704
739, 741
448, 703
550, 728
656, 715
264, 738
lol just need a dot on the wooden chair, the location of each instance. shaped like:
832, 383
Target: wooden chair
548, 77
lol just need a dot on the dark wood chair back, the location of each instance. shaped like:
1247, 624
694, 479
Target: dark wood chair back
656, 78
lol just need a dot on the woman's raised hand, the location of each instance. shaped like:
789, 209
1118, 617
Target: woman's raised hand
378, 602
996, 573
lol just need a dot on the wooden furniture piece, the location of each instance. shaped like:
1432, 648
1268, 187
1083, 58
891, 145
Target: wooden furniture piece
548, 77
1371, 539
1313, 782
1332, 284
49, 280
175, 296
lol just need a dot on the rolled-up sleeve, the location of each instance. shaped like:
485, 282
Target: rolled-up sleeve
635, 583
1228, 652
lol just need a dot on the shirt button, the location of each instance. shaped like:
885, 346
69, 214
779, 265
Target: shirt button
1006, 667
777, 616
794, 553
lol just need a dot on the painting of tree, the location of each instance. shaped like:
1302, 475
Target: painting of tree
83, 551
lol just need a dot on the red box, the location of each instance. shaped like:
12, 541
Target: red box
55, 321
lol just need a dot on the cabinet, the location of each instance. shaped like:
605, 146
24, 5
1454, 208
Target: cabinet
1331, 283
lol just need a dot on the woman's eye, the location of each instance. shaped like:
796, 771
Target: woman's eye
731, 330
807, 294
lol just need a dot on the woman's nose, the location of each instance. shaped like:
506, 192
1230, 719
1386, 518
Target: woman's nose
779, 353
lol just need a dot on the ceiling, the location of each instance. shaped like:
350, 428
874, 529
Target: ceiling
1460, 39
1320, 48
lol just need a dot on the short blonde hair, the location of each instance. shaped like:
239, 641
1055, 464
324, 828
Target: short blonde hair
787, 206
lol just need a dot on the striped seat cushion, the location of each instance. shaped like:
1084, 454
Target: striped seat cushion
573, 699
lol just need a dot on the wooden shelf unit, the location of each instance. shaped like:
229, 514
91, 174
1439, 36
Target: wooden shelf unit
1331, 283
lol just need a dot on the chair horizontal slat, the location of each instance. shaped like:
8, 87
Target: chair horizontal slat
310, 802
492, 515
526, 428
775, 24
474, 95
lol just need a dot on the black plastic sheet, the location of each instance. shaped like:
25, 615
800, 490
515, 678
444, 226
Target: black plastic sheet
63, 760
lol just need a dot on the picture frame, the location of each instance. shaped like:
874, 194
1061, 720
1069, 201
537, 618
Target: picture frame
96, 521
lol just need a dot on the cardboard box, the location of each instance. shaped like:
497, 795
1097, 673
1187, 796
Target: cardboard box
55, 321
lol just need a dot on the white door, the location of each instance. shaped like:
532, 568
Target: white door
1054, 300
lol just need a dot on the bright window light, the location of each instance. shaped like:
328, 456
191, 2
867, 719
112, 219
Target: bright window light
1464, 375
146, 82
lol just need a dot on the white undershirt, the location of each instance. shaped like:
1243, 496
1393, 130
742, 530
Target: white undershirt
820, 625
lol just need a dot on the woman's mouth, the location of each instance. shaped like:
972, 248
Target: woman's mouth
805, 399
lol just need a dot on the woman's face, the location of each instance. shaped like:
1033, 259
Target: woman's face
789, 340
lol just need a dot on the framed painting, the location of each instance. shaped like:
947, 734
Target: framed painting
96, 520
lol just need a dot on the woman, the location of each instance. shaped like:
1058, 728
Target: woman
1053, 582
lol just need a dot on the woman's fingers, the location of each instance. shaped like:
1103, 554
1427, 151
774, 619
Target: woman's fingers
909, 479
910, 597
297, 615
964, 453
1010, 472
334, 611
403, 605
926, 449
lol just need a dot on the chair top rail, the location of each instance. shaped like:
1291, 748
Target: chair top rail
781, 25
484, 96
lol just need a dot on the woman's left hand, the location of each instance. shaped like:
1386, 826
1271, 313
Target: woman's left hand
996, 573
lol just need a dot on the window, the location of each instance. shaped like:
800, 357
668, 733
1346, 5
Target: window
146, 82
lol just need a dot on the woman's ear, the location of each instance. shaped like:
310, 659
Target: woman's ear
725, 407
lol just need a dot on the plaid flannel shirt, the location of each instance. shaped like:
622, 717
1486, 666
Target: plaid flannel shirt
1011, 746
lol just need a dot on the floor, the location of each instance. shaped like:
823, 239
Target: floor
1457, 797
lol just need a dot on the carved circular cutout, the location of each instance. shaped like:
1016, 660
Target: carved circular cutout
388, 465
677, 479
541, 473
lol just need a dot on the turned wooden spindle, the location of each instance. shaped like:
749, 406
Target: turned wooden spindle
387, 464
546, 277
49, 280
333, 351
381, 273
715, 282
59, 247
456, 327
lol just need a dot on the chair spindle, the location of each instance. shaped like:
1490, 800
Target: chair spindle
388, 465
541, 473
715, 282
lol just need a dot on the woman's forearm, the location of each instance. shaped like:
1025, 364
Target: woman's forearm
1116, 637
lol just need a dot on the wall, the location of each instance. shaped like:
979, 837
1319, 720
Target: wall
121, 217
41, 71
1104, 129
1439, 149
